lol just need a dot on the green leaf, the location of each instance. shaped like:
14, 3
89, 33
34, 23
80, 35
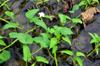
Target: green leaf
76, 20
4, 56
39, 22
67, 40
80, 54
40, 41
58, 1
13, 35
58, 35
95, 38
55, 32
33, 64
92, 35
51, 30
75, 8
10, 14
54, 49
63, 30
10, 25
2, 43
69, 52
25, 38
82, 3
97, 48
49, 17
41, 59
89, 1
43, 40
1, 37
97, 51
26, 53
31, 13
45, 37
96, 1
46, 0
79, 61
53, 42
63, 18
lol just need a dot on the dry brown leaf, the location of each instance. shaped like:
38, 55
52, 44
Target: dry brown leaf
89, 14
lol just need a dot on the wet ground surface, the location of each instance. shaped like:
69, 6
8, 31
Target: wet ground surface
84, 37
80, 43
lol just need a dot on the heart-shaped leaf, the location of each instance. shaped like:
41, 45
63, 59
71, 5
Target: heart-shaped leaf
39, 22
25, 38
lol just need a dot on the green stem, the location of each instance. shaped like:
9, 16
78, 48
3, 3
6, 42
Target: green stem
9, 45
14, 41
37, 51
9, 22
4, 3
30, 30
90, 52
4, 20
55, 59
26, 64
73, 61
50, 53
20, 27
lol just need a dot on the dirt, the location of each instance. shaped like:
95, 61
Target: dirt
80, 43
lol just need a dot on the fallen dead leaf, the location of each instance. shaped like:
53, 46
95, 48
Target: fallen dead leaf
89, 14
